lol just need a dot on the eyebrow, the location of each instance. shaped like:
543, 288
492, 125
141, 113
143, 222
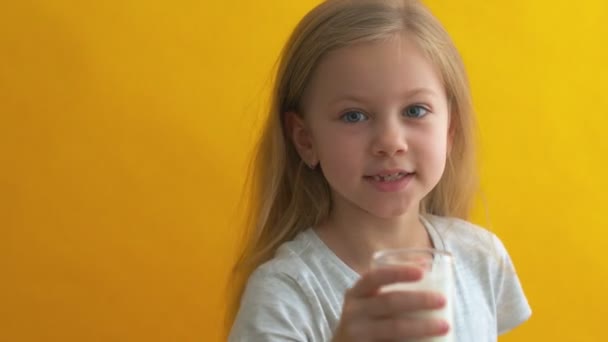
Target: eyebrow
418, 91
362, 97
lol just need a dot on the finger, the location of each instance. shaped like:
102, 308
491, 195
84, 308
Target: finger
402, 328
397, 302
371, 281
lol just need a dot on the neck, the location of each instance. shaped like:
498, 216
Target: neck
355, 235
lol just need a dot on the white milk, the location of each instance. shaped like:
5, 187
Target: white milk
440, 279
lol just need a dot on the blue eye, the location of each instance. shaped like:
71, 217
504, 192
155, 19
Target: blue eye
416, 111
353, 116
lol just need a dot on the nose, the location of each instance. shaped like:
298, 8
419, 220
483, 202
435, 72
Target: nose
389, 138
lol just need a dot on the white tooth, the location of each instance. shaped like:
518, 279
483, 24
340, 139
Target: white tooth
389, 178
394, 177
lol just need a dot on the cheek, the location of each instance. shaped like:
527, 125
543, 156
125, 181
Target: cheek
338, 154
437, 153
439, 147
432, 148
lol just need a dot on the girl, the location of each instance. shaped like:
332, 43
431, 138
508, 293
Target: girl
368, 146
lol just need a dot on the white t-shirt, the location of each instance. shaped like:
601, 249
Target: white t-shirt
298, 295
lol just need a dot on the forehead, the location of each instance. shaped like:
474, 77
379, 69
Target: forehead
382, 68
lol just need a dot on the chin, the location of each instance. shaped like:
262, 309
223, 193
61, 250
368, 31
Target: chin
389, 213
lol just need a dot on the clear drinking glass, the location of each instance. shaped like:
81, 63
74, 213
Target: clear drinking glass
438, 276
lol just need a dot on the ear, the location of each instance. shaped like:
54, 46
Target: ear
299, 133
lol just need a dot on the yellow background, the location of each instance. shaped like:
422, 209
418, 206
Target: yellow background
124, 128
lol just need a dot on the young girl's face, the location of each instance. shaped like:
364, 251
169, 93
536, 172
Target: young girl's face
376, 118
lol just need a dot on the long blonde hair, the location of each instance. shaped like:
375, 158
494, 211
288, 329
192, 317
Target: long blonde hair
288, 197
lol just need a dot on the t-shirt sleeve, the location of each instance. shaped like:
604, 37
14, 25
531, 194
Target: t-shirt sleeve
512, 308
273, 308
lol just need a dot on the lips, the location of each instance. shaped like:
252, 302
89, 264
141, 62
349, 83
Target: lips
389, 175
390, 181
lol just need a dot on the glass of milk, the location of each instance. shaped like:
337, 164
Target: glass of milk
438, 276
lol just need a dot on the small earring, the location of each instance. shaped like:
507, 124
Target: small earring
311, 166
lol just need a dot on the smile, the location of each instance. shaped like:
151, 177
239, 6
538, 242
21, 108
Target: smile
390, 178
394, 181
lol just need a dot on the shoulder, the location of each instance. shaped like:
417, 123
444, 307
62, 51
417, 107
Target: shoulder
458, 226
292, 263
275, 306
484, 264
272, 308
479, 254
283, 274
300, 272
286, 297
461, 235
